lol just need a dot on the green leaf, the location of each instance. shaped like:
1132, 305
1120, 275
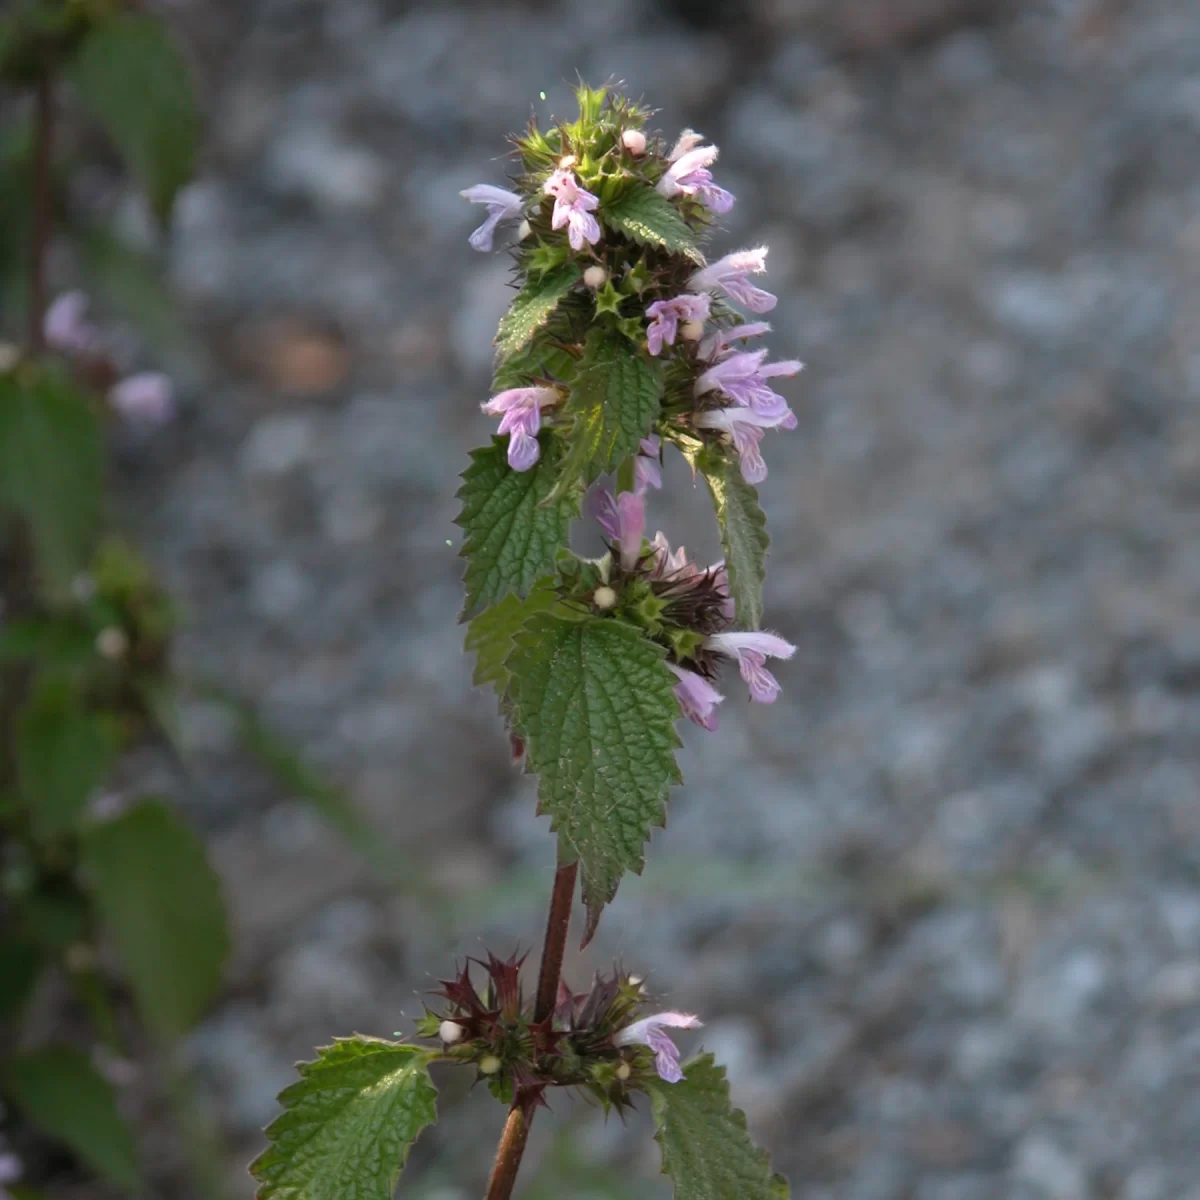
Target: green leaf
490, 635
131, 76
20, 967
63, 752
705, 1148
615, 399
62, 1094
348, 1124
649, 219
542, 359
52, 469
744, 537
595, 704
161, 902
531, 309
513, 526
52, 641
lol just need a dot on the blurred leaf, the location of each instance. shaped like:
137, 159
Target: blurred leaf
62, 1094
161, 902
531, 309
705, 1148
649, 219
20, 967
744, 535
53, 641
54, 917
63, 752
348, 1124
52, 469
134, 80
596, 706
16, 213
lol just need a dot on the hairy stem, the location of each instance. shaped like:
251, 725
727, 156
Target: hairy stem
516, 1128
43, 203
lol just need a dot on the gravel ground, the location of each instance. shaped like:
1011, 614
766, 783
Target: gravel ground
940, 906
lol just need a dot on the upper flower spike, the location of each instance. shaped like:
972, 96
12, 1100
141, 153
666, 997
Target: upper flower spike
688, 175
751, 651
652, 1032
501, 205
729, 274
624, 520
573, 207
520, 410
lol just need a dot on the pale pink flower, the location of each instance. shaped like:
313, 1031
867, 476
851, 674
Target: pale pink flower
752, 651
646, 470
688, 175
729, 275
634, 140
697, 697
665, 316
717, 344
689, 139
502, 205
742, 376
673, 565
520, 412
652, 1032
745, 428
623, 519
10, 1171
65, 326
148, 396
573, 207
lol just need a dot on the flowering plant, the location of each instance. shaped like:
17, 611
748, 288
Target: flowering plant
621, 343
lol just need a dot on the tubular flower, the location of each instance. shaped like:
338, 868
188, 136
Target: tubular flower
745, 428
501, 205
148, 396
665, 316
729, 275
751, 651
743, 375
646, 470
573, 207
689, 139
697, 697
652, 1032
520, 412
688, 175
623, 519
717, 344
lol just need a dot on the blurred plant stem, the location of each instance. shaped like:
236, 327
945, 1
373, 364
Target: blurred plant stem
516, 1128
43, 201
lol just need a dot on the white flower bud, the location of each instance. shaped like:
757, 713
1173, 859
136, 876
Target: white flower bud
524, 230
624, 1071
595, 277
634, 140
566, 162
450, 1032
604, 598
10, 355
489, 1065
691, 331
112, 643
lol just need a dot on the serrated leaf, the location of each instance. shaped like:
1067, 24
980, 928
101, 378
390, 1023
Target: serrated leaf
62, 1094
52, 470
160, 900
542, 359
512, 527
490, 635
743, 526
595, 704
63, 752
348, 1124
531, 309
705, 1147
650, 219
133, 79
615, 399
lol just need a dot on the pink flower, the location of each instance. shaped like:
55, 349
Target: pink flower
688, 140
10, 1172
501, 205
148, 396
520, 410
751, 651
651, 1031
717, 344
742, 376
646, 470
65, 328
688, 175
573, 207
697, 697
745, 427
729, 275
624, 520
665, 316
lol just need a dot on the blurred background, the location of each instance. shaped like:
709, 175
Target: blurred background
939, 907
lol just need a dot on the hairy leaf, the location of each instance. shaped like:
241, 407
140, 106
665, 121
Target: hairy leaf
512, 527
531, 309
490, 635
161, 902
348, 1123
615, 399
650, 219
52, 470
131, 76
595, 704
744, 536
542, 359
62, 1094
705, 1148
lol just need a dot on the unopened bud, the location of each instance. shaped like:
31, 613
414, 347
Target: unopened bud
489, 1065
450, 1032
624, 1071
604, 598
595, 277
524, 230
112, 642
691, 331
634, 140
